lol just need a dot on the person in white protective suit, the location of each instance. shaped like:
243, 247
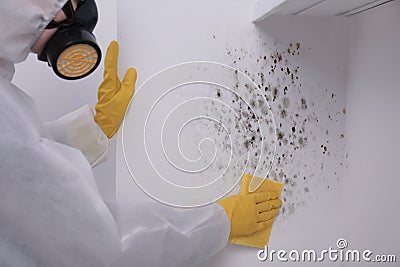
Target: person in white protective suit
51, 212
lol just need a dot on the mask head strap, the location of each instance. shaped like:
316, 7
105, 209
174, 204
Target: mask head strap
69, 11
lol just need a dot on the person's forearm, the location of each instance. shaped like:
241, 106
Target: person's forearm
158, 235
79, 130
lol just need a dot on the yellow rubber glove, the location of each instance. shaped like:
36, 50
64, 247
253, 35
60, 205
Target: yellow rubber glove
113, 96
250, 213
260, 238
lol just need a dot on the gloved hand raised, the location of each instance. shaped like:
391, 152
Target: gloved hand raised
113, 96
251, 212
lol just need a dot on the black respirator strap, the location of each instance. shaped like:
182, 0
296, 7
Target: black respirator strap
69, 11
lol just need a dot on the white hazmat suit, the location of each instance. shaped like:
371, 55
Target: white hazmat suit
51, 212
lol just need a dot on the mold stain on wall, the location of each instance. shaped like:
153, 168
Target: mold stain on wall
309, 127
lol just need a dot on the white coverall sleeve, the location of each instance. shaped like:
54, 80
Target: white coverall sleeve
156, 235
79, 130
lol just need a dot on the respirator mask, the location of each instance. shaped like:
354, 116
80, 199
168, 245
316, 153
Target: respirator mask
72, 51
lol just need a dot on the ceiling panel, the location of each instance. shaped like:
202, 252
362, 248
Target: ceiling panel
336, 7
265, 8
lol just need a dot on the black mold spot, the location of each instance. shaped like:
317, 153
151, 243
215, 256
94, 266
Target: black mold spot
275, 93
280, 135
283, 113
303, 103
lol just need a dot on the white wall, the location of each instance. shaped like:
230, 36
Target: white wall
56, 97
372, 198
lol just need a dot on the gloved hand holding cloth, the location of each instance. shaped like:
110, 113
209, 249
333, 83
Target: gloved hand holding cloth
252, 214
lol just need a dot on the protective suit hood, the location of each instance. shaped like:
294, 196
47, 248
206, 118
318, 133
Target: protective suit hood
21, 23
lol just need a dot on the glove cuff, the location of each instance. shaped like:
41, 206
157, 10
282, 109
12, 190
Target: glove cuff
79, 130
